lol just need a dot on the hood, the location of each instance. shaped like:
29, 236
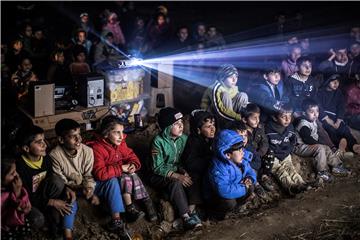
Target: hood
275, 126
225, 140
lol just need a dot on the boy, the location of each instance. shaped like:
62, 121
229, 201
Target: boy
270, 94
44, 189
332, 105
73, 162
231, 178
257, 139
282, 139
198, 153
166, 170
223, 97
310, 144
301, 85
288, 65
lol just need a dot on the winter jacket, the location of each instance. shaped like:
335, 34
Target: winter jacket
224, 175
11, 216
330, 67
166, 152
308, 131
353, 100
258, 140
211, 101
281, 139
288, 67
332, 104
299, 90
109, 158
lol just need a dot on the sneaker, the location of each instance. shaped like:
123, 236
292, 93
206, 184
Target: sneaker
192, 222
150, 210
267, 183
341, 171
196, 216
133, 214
259, 190
325, 175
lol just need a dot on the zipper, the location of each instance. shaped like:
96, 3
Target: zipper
175, 151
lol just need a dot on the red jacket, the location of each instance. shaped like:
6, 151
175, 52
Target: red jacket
109, 158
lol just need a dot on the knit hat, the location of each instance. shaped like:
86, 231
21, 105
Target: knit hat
168, 116
330, 78
225, 71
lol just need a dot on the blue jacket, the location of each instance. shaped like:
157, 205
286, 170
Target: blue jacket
224, 175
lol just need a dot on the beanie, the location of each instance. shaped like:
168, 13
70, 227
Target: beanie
168, 116
225, 71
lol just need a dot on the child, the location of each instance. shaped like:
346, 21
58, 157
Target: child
115, 161
35, 168
22, 77
167, 173
332, 105
310, 144
270, 94
73, 162
301, 85
352, 96
223, 97
198, 153
231, 178
58, 71
257, 139
15, 203
79, 66
288, 65
282, 139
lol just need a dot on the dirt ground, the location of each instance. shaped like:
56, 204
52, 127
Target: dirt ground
328, 212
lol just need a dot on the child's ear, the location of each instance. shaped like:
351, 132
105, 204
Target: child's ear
228, 155
25, 148
61, 140
243, 120
274, 118
265, 76
198, 131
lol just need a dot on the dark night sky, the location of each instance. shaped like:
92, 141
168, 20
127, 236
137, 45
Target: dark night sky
229, 17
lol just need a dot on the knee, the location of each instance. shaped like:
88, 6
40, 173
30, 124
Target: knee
36, 218
56, 182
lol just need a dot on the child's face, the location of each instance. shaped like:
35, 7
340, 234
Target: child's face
28, 31
231, 81
60, 58
305, 43
183, 34
284, 119
26, 65
305, 68
81, 57
212, 32
333, 85
72, 140
116, 135
85, 19
312, 113
355, 49
37, 146
201, 30
140, 23
244, 135
81, 37
253, 120
208, 129
160, 20
236, 156
341, 56
177, 128
273, 78
10, 176
18, 45
295, 54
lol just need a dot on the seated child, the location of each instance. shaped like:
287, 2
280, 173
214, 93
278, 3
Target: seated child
79, 66
115, 161
352, 100
73, 162
198, 153
332, 110
282, 140
231, 178
223, 97
167, 174
270, 94
44, 188
310, 143
58, 71
15, 203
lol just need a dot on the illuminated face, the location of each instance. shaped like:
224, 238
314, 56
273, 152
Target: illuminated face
295, 54
253, 120
72, 140
355, 49
160, 20
116, 135
273, 77
183, 34
201, 30
212, 32
236, 156
312, 113
341, 56
208, 129
38, 146
231, 81
333, 85
81, 37
244, 135
18, 45
305, 68
177, 128
81, 57
26, 65
85, 19
60, 58
9, 177
284, 119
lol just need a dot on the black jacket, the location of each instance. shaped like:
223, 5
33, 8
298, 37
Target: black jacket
332, 104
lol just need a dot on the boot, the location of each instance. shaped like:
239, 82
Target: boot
150, 210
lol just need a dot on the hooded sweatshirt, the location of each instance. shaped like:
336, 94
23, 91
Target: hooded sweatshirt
166, 152
224, 175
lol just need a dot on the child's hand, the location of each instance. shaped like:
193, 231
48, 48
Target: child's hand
88, 192
248, 181
125, 168
185, 180
337, 124
70, 195
332, 52
17, 185
63, 207
95, 200
132, 168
